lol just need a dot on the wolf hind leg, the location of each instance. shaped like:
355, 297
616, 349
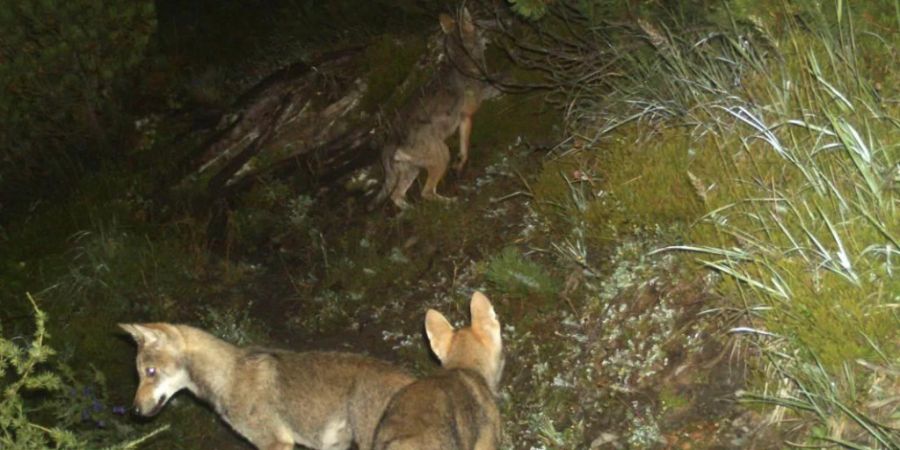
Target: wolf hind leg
382, 194
406, 175
389, 184
436, 170
465, 135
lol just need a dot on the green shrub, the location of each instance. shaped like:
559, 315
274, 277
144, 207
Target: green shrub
530, 9
44, 406
62, 83
512, 273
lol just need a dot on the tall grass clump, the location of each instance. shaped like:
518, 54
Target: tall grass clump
806, 224
793, 124
512, 273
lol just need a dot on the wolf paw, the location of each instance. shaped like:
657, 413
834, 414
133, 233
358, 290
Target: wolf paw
441, 198
401, 204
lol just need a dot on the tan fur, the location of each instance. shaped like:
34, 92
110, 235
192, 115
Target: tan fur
445, 103
274, 398
456, 408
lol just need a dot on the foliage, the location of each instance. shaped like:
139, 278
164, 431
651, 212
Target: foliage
391, 72
64, 72
34, 371
772, 131
233, 324
264, 216
767, 126
615, 334
512, 273
499, 121
809, 225
18, 429
650, 182
530, 9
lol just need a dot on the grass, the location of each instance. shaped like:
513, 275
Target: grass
779, 147
511, 273
755, 158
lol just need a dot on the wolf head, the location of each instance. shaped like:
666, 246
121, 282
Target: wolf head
477, 347
160, 365
464, 43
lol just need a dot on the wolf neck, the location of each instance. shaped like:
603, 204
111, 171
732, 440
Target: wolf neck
210, 362
476, 372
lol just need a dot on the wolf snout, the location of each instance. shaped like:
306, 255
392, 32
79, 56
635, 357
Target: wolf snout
144, 411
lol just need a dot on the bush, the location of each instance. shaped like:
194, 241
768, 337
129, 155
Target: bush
510, 272
43, 406
64, 73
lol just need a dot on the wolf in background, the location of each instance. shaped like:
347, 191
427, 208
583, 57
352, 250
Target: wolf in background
274, 398
446, 102
456, 408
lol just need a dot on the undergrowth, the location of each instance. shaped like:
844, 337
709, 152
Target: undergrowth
70, 414
511, 273
762, 137
771, 130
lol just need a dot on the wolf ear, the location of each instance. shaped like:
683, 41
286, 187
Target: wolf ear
142, 334
447, 23
440, 333
484, 319
468, 25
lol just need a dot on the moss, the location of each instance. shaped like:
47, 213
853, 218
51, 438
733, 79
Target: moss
442, 226
649, 181
845, 327
671, 399
618, 188
509, 118
553, 193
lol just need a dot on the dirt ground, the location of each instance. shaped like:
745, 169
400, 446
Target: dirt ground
365, 280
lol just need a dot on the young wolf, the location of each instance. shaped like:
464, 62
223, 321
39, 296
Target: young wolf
445, 103
274, 398
456, 408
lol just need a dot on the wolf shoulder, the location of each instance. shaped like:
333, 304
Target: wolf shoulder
327, 367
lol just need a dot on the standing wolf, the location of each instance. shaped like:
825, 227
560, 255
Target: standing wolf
274, 398
456, 408
445, 103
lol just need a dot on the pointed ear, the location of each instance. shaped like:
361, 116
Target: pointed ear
468, 25
142, 334
447, 23
440, 333
484, 319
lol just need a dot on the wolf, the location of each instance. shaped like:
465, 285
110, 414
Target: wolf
274, 398
446, 102
456, 408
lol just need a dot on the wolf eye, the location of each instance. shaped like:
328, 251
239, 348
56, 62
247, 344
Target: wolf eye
151, 371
